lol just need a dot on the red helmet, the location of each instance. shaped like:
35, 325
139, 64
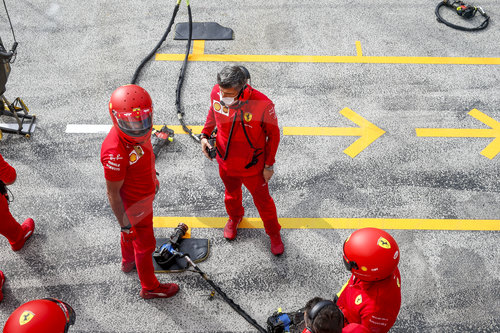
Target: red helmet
131, 110
40, 316
371, 254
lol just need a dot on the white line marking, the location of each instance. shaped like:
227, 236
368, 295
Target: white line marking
84, 128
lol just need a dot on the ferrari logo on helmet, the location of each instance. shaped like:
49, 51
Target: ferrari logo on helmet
137, 112
26, 317
382, 242
358, 300
247, 116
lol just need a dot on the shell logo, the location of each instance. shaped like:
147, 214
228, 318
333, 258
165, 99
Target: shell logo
217, 106
225, 109
133, 157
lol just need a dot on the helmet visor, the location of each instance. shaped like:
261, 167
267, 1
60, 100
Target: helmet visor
135, 126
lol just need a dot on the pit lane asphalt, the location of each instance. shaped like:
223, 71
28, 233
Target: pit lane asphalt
72, 55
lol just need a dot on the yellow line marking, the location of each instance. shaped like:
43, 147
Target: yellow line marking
367, 132
198, 47
178, 128
334, 223
494, 132
359, 51
331, 59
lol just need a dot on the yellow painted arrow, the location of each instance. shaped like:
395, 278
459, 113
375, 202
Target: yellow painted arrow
494, 132
366, 131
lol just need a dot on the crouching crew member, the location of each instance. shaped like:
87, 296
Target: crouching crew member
129, 169
247, 140
372, 296
41, 316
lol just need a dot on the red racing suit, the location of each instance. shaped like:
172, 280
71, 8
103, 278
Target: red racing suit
8, 225
372, 304
135, 164
256, 113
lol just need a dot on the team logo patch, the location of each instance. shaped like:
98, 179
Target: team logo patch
225, 109
358, 300
382, 242
247, 116
26, 317
217, 106
135, 154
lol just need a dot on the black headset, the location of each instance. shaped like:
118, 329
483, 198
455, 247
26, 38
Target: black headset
317, 309
244, 94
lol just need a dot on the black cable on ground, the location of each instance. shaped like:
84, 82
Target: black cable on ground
152, 53
458, 27
11, 28
229, 301
180, 113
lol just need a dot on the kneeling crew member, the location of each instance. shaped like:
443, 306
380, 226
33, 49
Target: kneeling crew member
129, 169
41, 316
372, 296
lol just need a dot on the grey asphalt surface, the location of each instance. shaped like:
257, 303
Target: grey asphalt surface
72, 55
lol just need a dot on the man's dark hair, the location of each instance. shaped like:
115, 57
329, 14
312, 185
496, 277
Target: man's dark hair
328, 320
232, 77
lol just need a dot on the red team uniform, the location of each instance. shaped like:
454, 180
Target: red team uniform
135, 165
257, 114
15, 233
373, 304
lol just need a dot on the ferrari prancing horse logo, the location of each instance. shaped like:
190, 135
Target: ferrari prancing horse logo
247, 116
26, 317
382, 242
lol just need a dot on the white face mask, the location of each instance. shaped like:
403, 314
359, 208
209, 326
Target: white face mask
227, 100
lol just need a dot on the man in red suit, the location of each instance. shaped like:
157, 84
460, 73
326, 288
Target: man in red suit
129, 168
247, 140
15, 233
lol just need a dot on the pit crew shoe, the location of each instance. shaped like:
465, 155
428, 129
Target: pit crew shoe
231, 228
128, 267
2, 281
277, 247
164, 290
28, 227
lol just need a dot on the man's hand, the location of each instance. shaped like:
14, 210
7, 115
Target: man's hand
205, 146
268, 173
128, 234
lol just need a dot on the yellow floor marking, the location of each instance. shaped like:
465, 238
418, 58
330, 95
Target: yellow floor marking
331, 59
178, 128
359, 51
334, 223
367, 132
494, 132
198, 47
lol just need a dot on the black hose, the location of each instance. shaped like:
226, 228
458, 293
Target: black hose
229, 301
458, 27
163, 38
180, 82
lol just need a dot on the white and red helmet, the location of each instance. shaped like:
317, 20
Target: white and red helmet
41, 316
371, 254
131, 110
